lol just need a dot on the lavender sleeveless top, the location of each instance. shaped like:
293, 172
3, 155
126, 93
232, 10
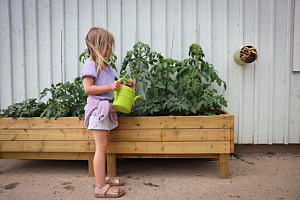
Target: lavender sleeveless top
105, 77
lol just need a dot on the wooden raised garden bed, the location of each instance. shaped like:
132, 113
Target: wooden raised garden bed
135, 137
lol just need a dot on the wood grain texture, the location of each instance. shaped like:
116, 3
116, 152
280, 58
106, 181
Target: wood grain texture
224, 166
169, 147
38, 123
170, 135
175, 122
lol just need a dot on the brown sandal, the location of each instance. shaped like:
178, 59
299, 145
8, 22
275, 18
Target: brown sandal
102, 192
115, 183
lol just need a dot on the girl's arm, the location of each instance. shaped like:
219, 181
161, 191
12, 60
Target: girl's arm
91, 89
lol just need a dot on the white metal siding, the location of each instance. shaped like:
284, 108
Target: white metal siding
264, 96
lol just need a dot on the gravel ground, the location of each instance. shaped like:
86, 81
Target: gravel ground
257, 176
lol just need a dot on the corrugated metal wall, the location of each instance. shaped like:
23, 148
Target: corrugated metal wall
263, 96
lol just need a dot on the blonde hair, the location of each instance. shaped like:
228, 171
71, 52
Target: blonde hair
100, 44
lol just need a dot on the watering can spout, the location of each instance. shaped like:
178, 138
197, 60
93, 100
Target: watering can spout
135, 98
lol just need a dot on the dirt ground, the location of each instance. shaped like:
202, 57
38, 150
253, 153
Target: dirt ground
259, 175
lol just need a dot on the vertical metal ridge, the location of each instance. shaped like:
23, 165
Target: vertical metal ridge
241, 78
135, 24
287, 73
51, 48
78, 39
151, 24
105, 14
121, 52
64, 42
37, 47
271, 74
11, 55
256, 43
194, 20
93, 14
179, 28
24, 51
225, 56
210, 31
166, 32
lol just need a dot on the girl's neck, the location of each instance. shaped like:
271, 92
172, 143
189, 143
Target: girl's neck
91, 59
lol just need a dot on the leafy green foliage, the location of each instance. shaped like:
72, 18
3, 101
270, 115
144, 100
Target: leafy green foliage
173, 87
28, 108
67, 99
169, 87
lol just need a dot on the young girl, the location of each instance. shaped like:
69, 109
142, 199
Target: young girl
99, 83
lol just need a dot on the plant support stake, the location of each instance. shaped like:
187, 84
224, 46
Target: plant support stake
171, 53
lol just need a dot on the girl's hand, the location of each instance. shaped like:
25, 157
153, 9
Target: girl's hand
115, 85
131, 84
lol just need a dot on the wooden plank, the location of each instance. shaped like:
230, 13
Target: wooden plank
170, 135
220, 121
47, 146
46, 134
44, 156
169, 147
174, 122
232, 134
38, 123
167, 155
224, 166
111, 165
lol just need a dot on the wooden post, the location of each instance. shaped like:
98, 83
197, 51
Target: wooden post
232, 134
111, 164
91, 164
224, 166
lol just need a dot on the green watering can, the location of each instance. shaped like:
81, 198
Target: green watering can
124, 98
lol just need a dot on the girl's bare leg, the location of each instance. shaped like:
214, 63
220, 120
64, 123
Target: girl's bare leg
101, 141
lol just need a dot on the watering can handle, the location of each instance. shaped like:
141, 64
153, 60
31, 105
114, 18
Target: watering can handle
124, 79
116, 92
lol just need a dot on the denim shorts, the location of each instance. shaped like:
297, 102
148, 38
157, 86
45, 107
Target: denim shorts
105, 124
